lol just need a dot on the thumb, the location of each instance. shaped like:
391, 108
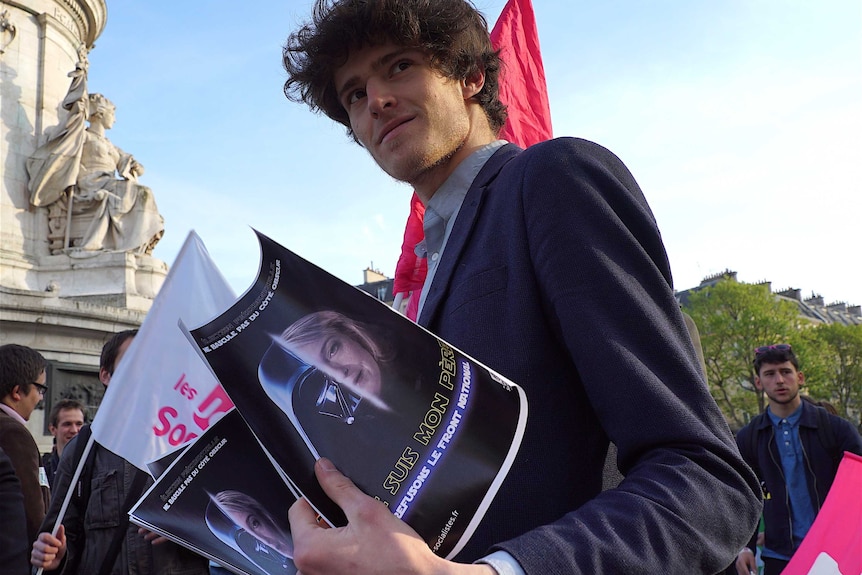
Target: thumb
337, 486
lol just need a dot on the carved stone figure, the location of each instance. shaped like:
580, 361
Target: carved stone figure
75, 174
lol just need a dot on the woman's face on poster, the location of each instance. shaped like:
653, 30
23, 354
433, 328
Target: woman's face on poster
345, 360
264, 530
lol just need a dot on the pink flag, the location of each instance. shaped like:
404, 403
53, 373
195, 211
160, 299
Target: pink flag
833, 545
163, 394
411, 270
522, 80
523, 90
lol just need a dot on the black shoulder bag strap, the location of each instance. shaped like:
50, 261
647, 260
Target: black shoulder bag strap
132, 495
827, 437
752, 446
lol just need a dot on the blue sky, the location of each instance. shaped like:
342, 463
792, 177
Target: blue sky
741, 120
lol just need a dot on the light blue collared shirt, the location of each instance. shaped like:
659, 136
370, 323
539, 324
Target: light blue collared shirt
442, 211
793, 464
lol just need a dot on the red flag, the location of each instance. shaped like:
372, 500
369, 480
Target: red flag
522, 80
411, 270
833, 545
523, 90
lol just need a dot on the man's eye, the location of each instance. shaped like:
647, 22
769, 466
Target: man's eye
333, 349
355, 96
400, 66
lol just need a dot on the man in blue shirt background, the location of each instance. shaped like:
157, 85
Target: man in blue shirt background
794, 448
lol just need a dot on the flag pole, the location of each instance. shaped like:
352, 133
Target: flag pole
71, 490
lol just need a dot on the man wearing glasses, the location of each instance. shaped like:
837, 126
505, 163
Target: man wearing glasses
794, 448
22, 386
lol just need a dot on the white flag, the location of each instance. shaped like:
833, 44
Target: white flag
163, 394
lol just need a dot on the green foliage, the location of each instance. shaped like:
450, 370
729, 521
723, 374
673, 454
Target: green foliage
734, 318
832, 363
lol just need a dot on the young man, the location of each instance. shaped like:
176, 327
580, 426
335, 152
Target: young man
87, 536
545, 264
795, 448
64, 423
22, 387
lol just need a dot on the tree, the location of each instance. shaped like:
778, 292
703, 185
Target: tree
832, 363
734, 318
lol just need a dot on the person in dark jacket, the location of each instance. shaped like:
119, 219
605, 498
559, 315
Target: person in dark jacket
22, 388
85, 540
14, 546
64, 423
546, 265
795, 448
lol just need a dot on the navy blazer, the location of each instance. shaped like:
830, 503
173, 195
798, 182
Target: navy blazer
555, 275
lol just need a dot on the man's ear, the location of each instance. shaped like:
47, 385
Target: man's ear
800, 377
757, 383
473, 84
104, 376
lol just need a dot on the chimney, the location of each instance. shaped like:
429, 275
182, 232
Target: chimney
792, 293
815, 299
373, 276
727, 274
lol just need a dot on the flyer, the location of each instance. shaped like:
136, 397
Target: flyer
224, 499
318, 368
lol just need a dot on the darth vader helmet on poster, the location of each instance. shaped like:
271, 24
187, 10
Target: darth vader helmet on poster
237, 538
313, 401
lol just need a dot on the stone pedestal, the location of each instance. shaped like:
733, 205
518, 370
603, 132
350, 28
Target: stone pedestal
69, 332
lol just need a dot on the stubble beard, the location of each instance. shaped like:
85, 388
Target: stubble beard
428, 171
787, 401
420, 168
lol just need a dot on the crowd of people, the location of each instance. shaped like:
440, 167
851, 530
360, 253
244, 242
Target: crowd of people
547, 265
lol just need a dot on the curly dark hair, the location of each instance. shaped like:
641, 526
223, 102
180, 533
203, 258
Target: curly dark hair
452, 32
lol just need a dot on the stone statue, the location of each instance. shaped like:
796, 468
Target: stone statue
89, 185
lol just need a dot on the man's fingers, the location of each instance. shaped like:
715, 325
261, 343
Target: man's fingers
301, 516
338, 487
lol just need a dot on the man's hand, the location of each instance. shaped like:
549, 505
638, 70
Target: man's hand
745, 562
48, 550
373, 541
152, 537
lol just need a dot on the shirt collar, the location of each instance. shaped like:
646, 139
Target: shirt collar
15, 415
791, 419
450, 194
447, 200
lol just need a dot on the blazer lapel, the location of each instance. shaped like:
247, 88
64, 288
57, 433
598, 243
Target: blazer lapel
464, 224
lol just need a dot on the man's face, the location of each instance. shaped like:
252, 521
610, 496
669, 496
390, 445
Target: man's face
780, 382
104, 374
412, 120
69, 423
29, 401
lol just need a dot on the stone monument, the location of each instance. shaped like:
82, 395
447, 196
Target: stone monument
77, 229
